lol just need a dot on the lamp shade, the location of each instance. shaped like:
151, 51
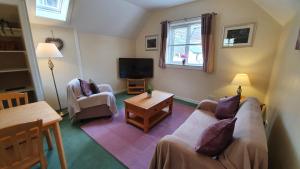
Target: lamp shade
47, 50
241, 79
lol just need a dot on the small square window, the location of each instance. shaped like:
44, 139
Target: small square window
185, 44
52, 9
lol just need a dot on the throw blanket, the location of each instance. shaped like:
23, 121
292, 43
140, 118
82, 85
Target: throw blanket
76, 101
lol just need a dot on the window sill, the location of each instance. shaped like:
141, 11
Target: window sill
184, 67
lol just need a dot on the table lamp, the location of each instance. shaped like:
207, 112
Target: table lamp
49, 50
241, 79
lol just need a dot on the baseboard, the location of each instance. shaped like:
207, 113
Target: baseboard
187, 100
176, 97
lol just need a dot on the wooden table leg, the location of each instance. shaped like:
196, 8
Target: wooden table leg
146, 124
126, 114
59, 144
48, 137
171, 107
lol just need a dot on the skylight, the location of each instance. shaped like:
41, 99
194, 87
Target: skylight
52, 9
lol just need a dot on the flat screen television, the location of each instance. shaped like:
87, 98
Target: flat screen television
135, 68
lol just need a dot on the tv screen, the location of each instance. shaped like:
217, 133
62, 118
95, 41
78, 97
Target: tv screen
135, 68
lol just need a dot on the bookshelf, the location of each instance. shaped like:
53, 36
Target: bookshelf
15, 74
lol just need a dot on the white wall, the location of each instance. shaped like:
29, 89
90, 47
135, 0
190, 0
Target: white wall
65, 69
283, 102
256, 61
99, 55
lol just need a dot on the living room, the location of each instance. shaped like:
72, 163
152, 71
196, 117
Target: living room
94, 35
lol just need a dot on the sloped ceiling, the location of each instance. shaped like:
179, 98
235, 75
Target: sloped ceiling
124, 18
109, 17
281, 10
158, 4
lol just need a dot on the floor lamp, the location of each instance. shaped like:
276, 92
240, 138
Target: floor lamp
49, 50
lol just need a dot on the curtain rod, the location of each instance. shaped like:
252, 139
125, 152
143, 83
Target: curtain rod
188, 18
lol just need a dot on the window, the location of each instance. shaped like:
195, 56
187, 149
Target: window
185, 43
52, 9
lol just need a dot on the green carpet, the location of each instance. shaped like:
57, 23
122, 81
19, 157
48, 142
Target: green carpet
81, 151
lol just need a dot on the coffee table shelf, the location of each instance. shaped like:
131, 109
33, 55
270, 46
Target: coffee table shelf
139, 121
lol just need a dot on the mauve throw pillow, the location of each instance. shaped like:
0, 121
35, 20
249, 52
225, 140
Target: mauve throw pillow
94, 88
227, 107
85, 88
216, 137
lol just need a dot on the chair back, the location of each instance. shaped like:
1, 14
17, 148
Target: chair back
21, 146
12, 99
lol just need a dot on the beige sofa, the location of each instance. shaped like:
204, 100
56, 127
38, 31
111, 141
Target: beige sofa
247, 151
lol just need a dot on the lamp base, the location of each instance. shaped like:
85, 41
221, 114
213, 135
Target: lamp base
62, 114
239, 91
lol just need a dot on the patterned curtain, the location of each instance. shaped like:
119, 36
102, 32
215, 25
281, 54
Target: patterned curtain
208, 44
163, 45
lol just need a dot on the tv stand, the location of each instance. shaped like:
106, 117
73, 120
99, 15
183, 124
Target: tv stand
136, 86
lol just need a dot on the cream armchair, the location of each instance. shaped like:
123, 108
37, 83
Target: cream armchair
97, 105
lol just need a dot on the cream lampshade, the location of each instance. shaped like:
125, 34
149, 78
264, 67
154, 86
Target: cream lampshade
241, 79
49, 50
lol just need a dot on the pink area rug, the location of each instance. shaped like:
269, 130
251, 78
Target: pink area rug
129, 144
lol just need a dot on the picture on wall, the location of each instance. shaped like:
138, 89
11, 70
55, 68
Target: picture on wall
238, 36
151, 42
298, 41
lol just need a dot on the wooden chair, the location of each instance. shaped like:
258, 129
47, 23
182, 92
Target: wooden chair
9, 97
15, 99
21, 146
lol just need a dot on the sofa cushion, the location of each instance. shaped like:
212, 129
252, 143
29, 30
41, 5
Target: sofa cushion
94, 88
85, 88
227, 107
216, 137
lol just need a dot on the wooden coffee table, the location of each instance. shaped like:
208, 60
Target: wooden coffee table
144, 112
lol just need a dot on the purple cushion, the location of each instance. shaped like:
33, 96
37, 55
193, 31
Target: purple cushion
227, 107
216, 137
85, 88
94, 88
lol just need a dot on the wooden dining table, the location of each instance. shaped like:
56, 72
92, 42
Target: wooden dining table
32, 112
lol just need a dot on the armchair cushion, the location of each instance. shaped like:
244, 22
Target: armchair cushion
85, 88
94, 100
94, 87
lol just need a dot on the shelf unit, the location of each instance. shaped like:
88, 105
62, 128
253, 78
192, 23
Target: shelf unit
12, 51
15, 74
136, 86
14, 70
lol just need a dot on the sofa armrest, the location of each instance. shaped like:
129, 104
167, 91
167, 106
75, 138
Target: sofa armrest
208, 105
105, 88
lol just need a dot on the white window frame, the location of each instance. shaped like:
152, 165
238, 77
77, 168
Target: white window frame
61, 13
170, 44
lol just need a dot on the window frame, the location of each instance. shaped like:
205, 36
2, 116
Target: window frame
61, 15
170, 43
